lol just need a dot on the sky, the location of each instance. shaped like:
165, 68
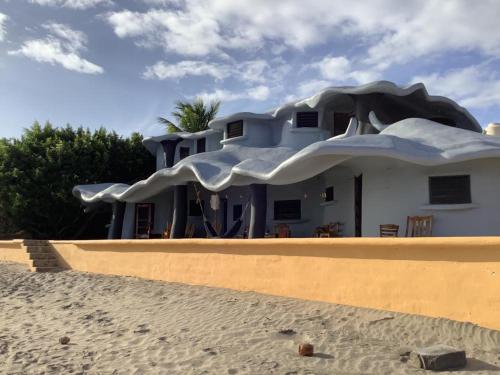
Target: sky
122, 63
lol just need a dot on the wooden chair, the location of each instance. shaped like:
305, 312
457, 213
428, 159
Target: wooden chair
167, 232
282, 231
419, 226
389, 230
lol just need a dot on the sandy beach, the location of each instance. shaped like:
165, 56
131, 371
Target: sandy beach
123, 325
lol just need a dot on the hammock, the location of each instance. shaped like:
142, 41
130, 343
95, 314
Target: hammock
210, 230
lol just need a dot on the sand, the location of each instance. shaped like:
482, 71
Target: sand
124, 325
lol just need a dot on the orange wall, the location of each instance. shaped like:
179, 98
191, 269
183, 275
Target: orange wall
457, 278
14, 251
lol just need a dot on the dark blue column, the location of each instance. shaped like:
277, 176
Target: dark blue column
179, 220
116, 226
258, 210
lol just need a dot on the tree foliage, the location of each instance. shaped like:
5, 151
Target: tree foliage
191, 117
39, 170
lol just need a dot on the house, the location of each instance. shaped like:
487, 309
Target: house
361, 156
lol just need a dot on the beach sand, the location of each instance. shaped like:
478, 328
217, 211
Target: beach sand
124, 325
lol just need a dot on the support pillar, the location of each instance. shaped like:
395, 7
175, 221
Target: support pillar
116, 225
179, 220
258, 210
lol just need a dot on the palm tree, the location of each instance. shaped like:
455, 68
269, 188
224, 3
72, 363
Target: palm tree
191, 117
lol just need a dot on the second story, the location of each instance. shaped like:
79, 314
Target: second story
172, 147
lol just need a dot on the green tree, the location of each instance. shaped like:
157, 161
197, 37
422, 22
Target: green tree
191, 117
39, 170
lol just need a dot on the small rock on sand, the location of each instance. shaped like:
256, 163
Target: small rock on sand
438, 358
306, 350
64, 340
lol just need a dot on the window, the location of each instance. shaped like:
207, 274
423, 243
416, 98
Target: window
237, 211
183, 152
144, 219
307, 119
287, 210
449, 189
194, 207
200, 145
329, 196
235, 129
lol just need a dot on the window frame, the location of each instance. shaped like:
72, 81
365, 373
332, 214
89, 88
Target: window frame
201, 141
306, 113
461, 197
229, 132
287, 216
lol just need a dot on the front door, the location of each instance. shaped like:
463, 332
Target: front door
144, 219
358, 197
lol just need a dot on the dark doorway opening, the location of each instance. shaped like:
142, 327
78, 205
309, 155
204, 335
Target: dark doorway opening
358, 197
340, 122
144, 219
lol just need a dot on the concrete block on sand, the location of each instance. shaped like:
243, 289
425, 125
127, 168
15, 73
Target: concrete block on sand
438, 358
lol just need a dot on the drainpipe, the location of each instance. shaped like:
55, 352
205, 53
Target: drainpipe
116, 226
179, 219
258, 209
169, 146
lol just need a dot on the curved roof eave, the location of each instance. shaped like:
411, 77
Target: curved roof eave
414, 140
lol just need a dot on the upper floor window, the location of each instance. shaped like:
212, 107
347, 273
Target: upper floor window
329, 194
183, 152
449, 189
235, 129
307, 119
201, 145
287, 210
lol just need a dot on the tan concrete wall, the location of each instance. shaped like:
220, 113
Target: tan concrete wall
457, 278
14, 251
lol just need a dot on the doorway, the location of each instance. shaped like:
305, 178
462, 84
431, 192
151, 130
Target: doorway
358, 202
144, 219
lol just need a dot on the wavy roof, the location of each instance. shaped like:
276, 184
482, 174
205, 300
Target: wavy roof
413, 140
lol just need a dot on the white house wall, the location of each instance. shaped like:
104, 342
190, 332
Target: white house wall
393, 191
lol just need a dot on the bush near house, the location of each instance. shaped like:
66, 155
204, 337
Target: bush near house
38, 172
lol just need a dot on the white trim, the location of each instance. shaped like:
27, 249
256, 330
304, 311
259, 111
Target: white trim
449, 207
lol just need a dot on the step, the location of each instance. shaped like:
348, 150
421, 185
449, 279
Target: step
35, 242
41, 255
39, 249
45, 269
44, 263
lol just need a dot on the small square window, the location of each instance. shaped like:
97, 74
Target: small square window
237, 211
329, 194
235, 129
449, 190
287, 210
183, 152
307, 119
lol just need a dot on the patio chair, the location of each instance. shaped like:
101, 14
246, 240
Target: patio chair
389, 230
419, 226
283, 231
167, 232
190, 231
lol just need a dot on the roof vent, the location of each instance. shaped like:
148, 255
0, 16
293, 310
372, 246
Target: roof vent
493, 129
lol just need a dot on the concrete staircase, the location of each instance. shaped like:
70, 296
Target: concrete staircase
42, 258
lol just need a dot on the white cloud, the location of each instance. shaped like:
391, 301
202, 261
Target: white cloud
340, 70
74, 4
255, 93
254, 71
61, 47
389, 31
163, 70
3, 30
474, 86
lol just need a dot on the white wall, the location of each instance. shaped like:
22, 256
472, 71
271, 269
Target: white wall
392, 191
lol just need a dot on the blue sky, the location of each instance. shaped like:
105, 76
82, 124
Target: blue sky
122, 63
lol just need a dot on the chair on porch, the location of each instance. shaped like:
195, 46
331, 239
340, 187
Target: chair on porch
168, 231
389, 230
282, 231
419, 226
